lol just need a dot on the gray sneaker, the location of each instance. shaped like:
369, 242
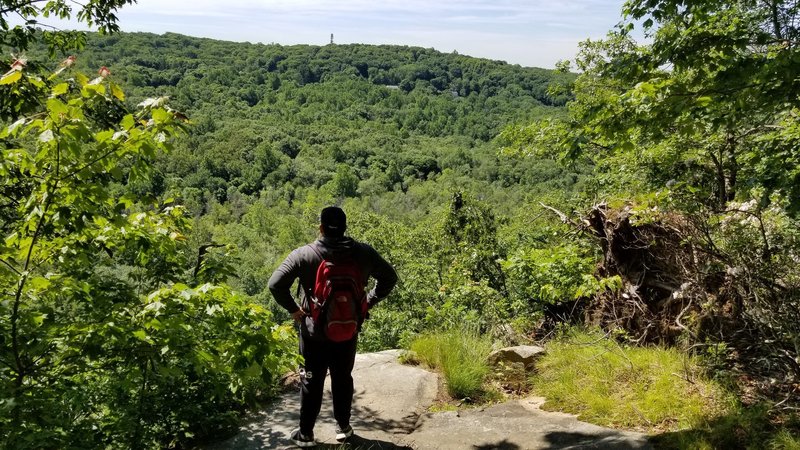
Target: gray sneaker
343, 433
301, 440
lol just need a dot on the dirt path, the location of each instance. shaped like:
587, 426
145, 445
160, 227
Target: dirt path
390, 412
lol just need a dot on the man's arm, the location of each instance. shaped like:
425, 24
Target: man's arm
385, 278
280, 283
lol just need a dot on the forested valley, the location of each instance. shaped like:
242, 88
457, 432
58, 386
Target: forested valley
152, 183
393, 134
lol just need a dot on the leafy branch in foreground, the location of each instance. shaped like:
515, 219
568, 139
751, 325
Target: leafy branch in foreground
106, 337
95, 13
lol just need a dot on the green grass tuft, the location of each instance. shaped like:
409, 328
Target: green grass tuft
742, 427
461, 357
652, 389
785, 440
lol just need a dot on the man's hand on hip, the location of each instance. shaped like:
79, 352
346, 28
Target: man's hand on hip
298, 315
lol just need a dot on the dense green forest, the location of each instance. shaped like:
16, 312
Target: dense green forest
268, 115
255, 172
390, 132
143, 208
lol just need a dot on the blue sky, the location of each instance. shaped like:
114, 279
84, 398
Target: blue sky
527, 32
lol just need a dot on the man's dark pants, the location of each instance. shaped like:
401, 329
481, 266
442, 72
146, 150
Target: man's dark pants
321, 356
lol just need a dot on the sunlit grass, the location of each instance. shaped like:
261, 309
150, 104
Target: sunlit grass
741, 427
651, 389
460, 356
660, 391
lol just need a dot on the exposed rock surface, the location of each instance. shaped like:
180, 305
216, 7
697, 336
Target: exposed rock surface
516, 424
521, 354
389, 398
389, 412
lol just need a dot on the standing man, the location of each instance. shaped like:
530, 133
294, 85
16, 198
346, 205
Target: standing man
320, 351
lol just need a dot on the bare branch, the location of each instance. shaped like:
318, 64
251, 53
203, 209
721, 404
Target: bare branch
201, 252
563, 217
7, 264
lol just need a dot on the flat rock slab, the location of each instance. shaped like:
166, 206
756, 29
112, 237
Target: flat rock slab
517, 424
389, 412
389, 398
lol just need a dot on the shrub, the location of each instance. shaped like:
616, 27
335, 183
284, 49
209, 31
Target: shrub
385, 329
109, 338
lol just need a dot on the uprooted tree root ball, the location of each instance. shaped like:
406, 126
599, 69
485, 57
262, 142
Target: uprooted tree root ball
681, 284
667, 287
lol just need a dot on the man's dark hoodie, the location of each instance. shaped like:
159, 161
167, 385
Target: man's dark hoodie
303, 262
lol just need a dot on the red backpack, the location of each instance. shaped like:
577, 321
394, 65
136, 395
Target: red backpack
338, 302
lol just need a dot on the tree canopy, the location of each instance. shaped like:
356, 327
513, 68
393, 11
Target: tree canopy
99, 14
710, 104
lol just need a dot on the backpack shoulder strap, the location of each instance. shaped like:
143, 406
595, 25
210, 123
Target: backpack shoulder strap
313, 247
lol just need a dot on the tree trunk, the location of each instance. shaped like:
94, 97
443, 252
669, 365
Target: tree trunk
722, 181
733, 168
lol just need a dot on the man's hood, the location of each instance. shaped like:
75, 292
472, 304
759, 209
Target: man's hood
335, 246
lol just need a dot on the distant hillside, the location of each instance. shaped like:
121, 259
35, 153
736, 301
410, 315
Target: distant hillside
153, 60
375, 118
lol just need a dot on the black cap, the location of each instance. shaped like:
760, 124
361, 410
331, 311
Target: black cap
333, 221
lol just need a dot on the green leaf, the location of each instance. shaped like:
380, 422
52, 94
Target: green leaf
117, 173
60, 89
39, 283
204, 356
90, 90
56, 107
36, 81
38, 319
141, 335
154, 324
128, 122
161, 116
24, 245
253, 371
12, 239
104, 136
11, 77
703, 101
117, 92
